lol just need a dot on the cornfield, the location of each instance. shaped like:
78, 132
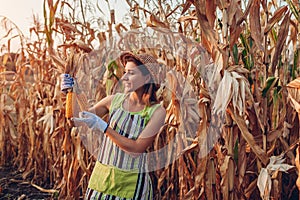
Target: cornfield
231, 91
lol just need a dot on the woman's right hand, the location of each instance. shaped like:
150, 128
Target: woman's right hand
67, 82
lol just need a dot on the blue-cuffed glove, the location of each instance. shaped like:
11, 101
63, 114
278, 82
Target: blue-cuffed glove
91, 120
67, 82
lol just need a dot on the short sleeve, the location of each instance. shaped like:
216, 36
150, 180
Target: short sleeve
149, 112
117, 101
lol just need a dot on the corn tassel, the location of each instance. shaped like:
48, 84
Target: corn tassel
69, 105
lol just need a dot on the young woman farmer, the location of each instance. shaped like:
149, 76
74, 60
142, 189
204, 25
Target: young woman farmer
135, 118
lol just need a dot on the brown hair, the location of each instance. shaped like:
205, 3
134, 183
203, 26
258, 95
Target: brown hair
149, 93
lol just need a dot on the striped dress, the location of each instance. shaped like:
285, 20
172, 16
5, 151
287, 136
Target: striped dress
130, 125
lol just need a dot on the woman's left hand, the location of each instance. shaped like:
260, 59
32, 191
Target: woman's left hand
91, 120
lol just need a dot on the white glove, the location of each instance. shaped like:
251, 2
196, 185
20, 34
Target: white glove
92, 121
67, 82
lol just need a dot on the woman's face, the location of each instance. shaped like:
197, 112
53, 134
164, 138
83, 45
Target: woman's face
133, 78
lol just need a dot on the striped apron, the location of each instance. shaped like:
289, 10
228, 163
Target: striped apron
118, 175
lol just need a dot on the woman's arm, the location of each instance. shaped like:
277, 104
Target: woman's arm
102, 107
145, 139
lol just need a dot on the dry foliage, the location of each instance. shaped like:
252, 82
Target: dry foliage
232, 74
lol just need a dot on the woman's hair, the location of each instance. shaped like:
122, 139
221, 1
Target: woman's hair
149, 94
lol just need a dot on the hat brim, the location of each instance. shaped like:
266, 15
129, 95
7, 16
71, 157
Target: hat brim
126, 54
150, 66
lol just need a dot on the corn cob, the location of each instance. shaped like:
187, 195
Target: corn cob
69, 105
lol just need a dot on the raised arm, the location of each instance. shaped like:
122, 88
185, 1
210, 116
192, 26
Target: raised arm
145, 139
102, 107
134, 147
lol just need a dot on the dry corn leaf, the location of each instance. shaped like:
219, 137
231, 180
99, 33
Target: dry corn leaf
294, 84
227, 174
208, 31
247, 11
233, 88
211, 11
255, 25
293, 89
48, 120
186, 6
275, 134
119, 28
61, 63
234, 12
79, 155
49, 126
278, 14
189, 148
211, 75
264, 184
264, 181
101, 37
223, 4
186, 18
82, 45
153, 21
235, 32
295, 104
293, 32
162, 178
210, 179
282, 36
249, 137
44, 190
32, 138
242, 161
224, 93
250, 188
297, 163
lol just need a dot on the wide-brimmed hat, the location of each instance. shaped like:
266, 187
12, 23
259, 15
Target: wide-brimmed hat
148, 61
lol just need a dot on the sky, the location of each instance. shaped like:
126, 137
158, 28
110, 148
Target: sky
21, 12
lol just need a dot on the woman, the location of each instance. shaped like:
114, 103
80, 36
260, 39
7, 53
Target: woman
135, 118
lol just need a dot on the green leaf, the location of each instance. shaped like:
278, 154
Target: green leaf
245, 59
250, 43
236, 151
270, 83
295, 64
235, 54
294, 9
112, 65
244, 42
108, 86
251, 62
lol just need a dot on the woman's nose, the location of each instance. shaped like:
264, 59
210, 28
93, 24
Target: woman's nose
124, 77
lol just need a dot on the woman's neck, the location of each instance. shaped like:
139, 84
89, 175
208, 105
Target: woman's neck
136, 98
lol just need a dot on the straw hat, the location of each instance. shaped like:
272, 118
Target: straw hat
149, 62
